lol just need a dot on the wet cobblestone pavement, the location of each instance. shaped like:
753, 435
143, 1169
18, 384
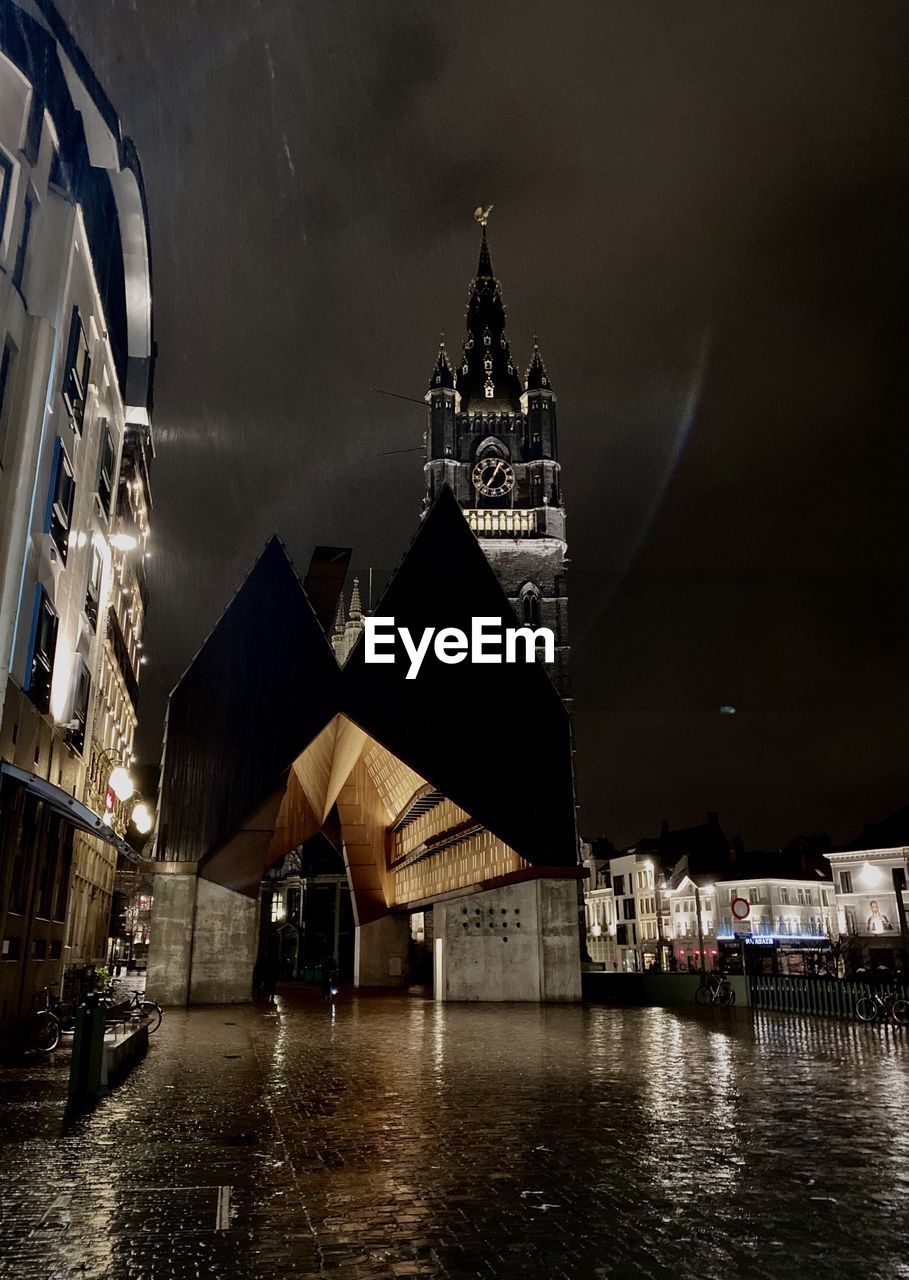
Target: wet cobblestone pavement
402, 1138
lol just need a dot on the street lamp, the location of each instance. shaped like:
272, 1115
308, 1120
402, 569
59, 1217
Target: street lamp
142, 819
121, 783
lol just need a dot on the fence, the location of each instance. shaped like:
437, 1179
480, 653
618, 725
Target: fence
829, 997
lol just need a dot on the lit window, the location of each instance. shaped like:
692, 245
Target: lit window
277, 906
80, 707
78, 372
93, 588
105, 468
42, 647
60, 498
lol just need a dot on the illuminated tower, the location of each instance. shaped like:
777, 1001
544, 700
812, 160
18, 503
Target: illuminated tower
492, 439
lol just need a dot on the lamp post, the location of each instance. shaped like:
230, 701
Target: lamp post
697, 911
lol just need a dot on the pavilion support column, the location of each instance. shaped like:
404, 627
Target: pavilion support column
517, 942
171, 932
225, 942
203, 940
382, 952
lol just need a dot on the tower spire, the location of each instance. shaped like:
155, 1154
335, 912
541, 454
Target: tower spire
356, 608
487, 379
535, 376
484, 266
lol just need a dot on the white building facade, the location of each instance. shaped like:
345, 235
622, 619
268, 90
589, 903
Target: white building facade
872, 904
779, 919
75, 403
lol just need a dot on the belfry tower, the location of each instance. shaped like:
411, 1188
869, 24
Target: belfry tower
492, 439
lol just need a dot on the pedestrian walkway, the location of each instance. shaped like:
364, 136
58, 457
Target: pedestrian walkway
395, 1137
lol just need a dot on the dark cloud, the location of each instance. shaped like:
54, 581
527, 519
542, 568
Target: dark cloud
702, 210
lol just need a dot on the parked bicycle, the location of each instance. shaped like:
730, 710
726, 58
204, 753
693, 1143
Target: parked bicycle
715, 989
136, 1004
48, 1022
872, 1007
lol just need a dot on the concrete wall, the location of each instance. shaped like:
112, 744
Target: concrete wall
653, 988
382, 953
225, 941
203, 942
519, 942
171, 931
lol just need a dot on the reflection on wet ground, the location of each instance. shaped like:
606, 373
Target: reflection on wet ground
398, 1137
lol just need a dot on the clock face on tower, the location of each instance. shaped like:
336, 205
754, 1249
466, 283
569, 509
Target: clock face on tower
493, 477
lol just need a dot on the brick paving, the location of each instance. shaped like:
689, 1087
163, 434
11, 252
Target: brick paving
401, 1138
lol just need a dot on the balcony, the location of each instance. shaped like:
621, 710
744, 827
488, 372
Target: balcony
504, 523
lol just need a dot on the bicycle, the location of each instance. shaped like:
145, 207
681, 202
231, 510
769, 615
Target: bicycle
136, 1004
871, 1007
715, 989
47, 1024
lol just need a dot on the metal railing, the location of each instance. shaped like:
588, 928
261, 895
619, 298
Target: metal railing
825, 997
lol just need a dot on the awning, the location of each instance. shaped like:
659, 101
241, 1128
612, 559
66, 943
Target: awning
72, 810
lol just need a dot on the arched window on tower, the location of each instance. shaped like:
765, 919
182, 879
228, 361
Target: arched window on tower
530, 604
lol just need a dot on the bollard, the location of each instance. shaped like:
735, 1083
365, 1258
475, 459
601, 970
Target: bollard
86, 1068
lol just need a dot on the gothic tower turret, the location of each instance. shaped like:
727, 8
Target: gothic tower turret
492, 438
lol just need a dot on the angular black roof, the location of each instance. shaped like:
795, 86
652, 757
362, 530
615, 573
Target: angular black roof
495, 739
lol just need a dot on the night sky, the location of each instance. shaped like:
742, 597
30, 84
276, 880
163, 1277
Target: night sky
702, 208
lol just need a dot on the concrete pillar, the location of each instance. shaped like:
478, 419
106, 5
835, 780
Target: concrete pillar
382, 952
171, 934
519, 942
204, 940
225, 942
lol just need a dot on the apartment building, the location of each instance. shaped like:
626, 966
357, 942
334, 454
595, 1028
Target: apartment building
75, 426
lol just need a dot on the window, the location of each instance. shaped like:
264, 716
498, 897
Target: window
59, 174
530, 605
42, 647
784, 896
31, 144
106, 468
277, 906
60, 500
19, 268
678, 907
6, 184
845, 882
618, 885
825, 897
5, 364
80, 706
93, 588
78, 372
628, 908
